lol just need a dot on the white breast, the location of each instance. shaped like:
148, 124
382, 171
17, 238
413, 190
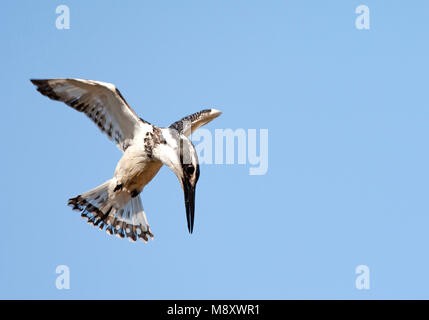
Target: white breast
136, 169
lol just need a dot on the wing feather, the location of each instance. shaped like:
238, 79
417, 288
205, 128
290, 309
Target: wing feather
102, 102
189, 124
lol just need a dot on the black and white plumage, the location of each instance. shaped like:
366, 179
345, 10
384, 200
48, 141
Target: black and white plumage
189, 124
116, 205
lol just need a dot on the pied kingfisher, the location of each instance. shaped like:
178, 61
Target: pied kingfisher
116, 204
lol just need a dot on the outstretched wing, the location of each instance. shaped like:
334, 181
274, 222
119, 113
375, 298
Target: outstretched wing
189, 124
102, 102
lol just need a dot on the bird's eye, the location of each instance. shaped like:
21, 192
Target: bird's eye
189, 169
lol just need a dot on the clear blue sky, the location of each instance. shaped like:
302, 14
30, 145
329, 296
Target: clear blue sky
348, 178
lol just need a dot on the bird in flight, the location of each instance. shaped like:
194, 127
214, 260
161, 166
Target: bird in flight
116, 204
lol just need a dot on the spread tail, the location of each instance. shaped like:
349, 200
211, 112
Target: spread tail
122, 215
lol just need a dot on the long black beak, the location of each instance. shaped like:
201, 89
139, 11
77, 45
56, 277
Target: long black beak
189, 191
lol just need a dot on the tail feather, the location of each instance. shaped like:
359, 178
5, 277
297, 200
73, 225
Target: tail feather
121, 214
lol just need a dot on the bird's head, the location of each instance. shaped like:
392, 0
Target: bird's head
188, 174
180, 156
